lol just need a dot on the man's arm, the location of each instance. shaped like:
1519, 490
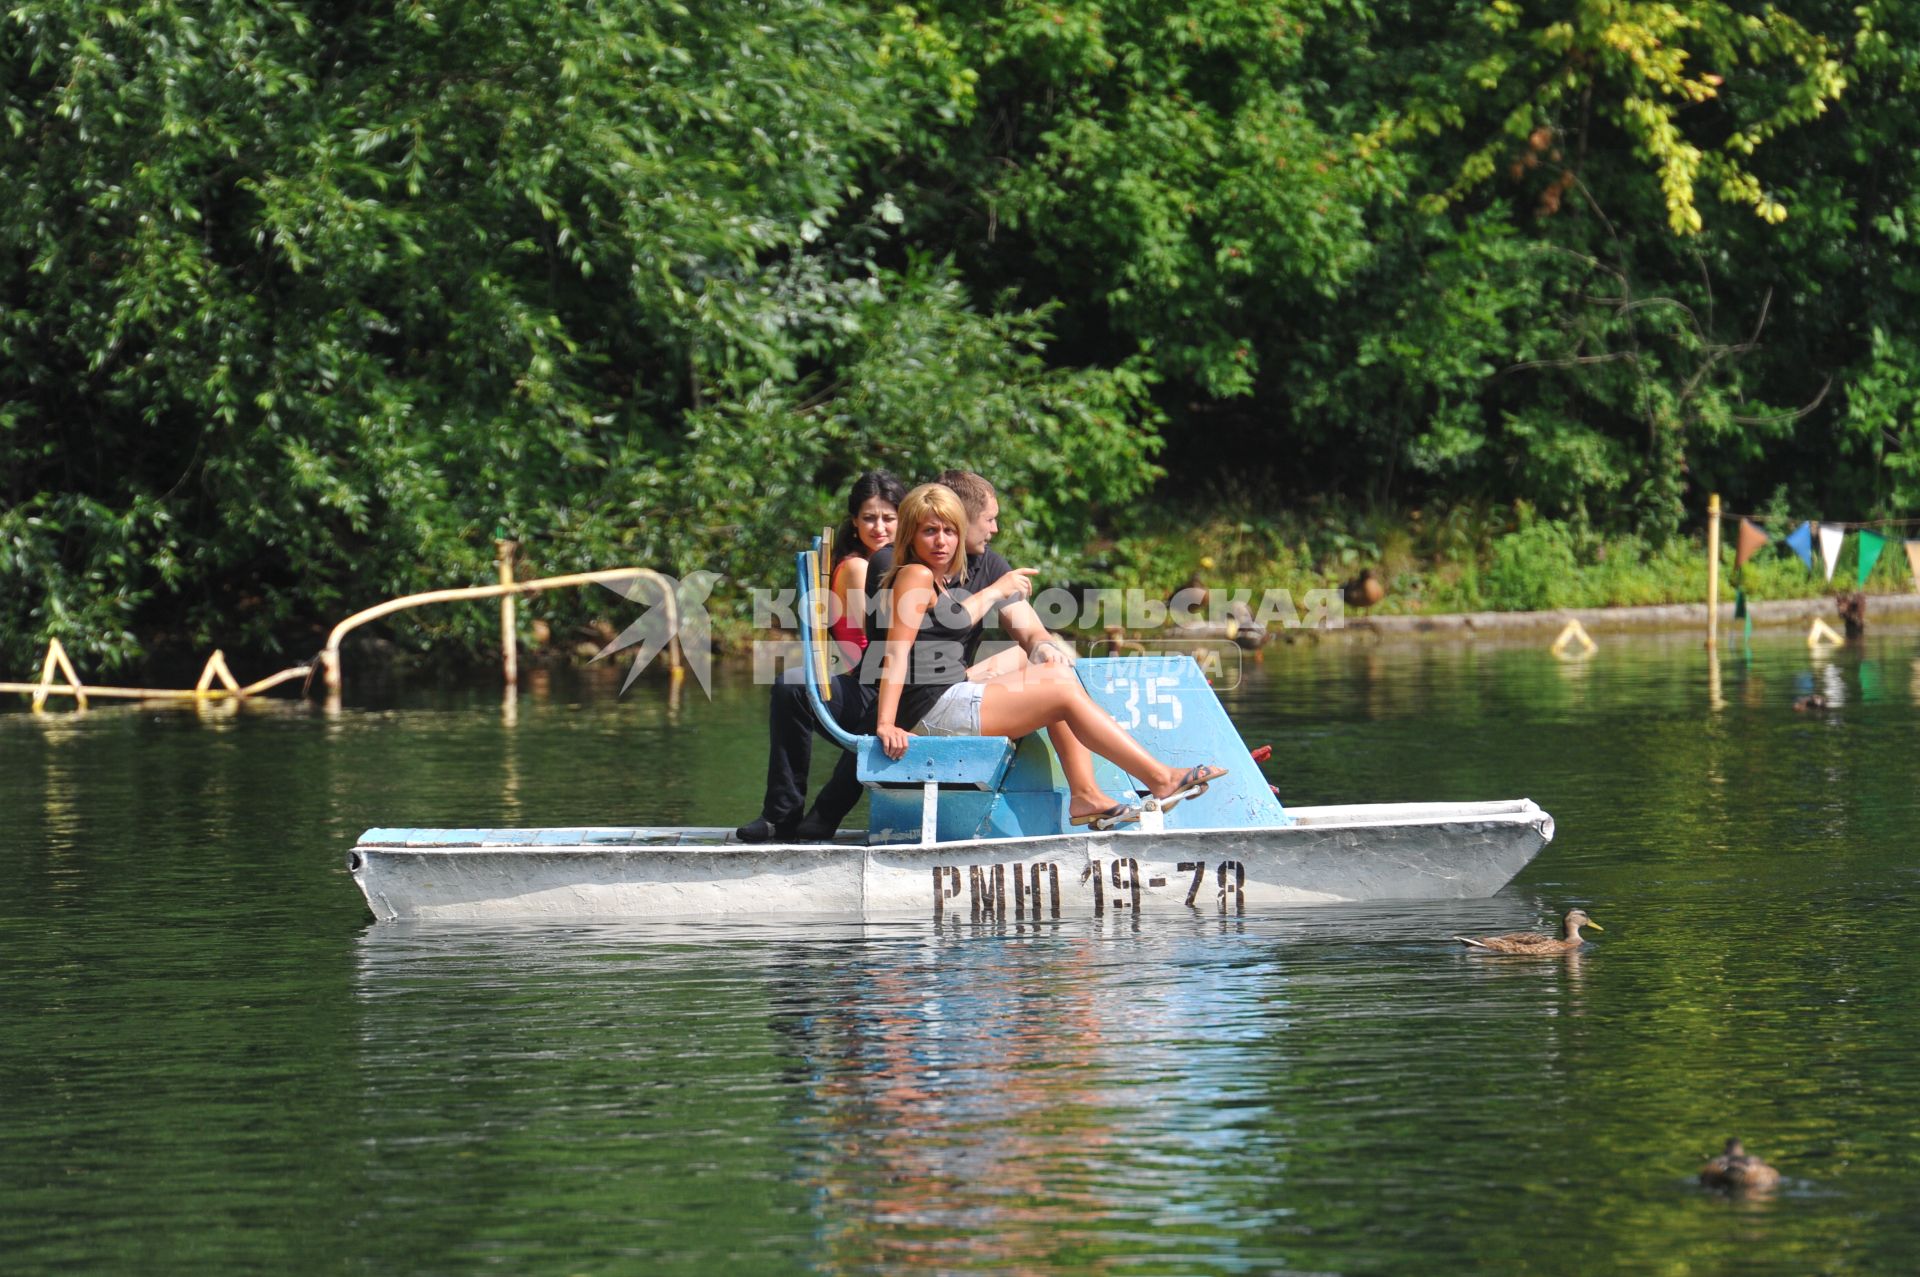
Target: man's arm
1007, 660
1022, 625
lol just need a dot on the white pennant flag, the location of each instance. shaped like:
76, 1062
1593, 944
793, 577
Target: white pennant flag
1832, 537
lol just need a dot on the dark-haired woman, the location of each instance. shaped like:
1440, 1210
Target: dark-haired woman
872, 509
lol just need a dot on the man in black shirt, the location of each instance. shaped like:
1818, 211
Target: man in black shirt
791, 720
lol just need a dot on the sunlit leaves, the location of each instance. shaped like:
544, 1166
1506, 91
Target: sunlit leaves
1650, 68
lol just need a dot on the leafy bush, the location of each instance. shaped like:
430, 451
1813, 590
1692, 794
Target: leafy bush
303, 310
1532, 570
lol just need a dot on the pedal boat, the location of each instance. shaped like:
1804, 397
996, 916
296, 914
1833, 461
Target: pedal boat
978, 828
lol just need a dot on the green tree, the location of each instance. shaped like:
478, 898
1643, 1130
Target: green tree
306, 301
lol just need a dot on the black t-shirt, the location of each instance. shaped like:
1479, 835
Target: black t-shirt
983, 569
947, 640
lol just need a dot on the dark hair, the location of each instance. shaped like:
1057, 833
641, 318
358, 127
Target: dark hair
874, 483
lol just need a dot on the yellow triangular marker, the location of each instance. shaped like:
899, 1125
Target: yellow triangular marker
216, 668
57, 659
1575, 633
1821, 632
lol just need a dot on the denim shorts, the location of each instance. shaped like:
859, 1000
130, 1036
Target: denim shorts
956, 713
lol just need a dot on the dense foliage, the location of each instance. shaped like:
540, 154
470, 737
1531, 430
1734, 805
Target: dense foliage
305, 303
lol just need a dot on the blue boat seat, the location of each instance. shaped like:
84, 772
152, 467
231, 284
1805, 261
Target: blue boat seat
977, 762
973, 787
961, 762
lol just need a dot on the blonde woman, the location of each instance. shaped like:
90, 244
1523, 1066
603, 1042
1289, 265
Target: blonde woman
923, 678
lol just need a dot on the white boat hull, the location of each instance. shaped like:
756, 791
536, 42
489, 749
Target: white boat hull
1414, 851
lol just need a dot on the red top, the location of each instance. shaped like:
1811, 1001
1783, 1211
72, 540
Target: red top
852, 636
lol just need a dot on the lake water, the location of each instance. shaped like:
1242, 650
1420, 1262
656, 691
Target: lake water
212, 1060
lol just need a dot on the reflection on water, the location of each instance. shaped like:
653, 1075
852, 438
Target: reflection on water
212, 1061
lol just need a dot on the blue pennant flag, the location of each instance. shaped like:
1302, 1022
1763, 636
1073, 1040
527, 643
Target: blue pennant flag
1801, 539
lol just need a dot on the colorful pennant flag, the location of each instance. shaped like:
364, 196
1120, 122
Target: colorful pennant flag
1832, 538
1749, 542
1913, 559
1801, 539
1871, 543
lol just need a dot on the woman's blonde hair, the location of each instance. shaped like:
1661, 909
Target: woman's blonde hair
924, 504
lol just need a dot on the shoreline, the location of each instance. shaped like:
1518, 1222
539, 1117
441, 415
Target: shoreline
1650, 617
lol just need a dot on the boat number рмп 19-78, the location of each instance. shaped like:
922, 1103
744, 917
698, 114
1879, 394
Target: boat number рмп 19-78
1035, 888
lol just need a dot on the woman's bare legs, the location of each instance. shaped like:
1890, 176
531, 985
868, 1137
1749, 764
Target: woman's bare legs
1087, 798
1042, 695
1076, 760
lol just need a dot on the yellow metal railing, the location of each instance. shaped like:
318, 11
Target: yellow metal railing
507, 591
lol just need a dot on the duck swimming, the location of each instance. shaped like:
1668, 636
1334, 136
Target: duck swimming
1533, 941
1738, 1169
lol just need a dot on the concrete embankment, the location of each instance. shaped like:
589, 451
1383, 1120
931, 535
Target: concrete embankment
1665, 616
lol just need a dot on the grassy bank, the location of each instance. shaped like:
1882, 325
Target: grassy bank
1463, 558
1432, 560
1469, 557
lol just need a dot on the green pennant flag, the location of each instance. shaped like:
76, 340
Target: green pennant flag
1871, 543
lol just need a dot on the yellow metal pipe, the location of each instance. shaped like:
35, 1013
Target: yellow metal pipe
163, 693
330, 655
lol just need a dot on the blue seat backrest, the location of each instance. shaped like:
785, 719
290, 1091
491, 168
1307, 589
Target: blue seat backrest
977, 762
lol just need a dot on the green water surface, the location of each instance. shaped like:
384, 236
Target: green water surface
211, 1060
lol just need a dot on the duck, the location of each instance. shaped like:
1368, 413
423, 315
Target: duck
1738, 1169
1194, 594
1533, 941
1853, 615
1364, 590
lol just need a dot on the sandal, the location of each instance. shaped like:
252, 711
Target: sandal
1191, 785
1113, 817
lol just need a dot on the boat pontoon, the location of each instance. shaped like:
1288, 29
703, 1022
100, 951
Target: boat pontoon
978, 826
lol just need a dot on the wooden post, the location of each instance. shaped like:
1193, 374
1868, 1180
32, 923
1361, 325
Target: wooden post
1713, 570
509, 627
